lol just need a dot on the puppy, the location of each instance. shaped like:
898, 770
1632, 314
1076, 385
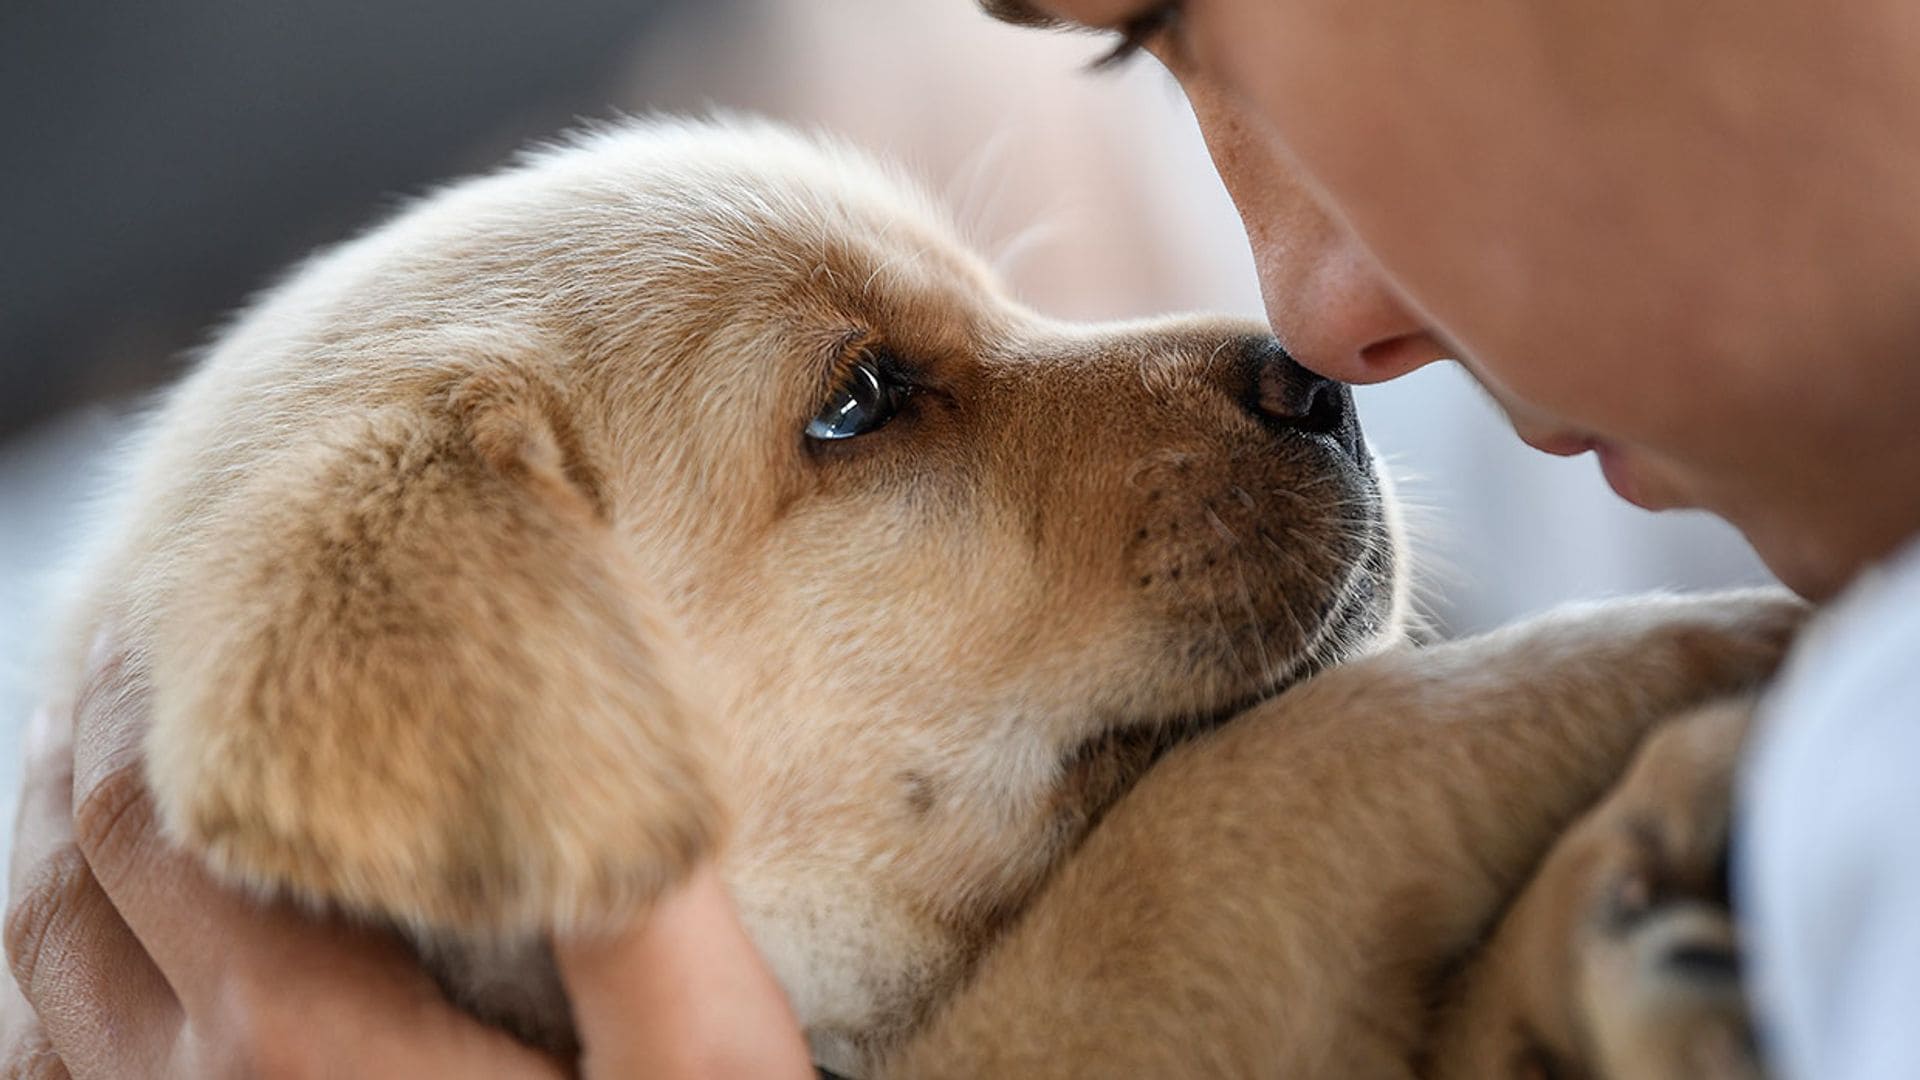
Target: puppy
688, 490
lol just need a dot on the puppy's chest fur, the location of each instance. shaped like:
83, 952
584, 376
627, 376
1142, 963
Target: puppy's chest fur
863, 991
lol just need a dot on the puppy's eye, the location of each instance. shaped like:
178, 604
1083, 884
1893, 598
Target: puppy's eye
863, 402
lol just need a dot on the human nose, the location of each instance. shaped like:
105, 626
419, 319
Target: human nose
1327, 299
1337, 314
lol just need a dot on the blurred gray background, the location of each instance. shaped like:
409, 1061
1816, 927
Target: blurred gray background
163, 159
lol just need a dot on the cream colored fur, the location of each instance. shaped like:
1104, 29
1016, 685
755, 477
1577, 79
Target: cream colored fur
484, 578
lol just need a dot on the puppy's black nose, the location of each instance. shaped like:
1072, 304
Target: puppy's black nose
1283, 394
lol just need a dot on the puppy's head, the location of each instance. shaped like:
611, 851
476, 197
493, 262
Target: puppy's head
956, 571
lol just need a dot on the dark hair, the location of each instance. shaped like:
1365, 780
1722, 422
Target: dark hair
1018, 12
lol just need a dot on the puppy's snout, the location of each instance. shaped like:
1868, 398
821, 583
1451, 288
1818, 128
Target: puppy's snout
1284, 394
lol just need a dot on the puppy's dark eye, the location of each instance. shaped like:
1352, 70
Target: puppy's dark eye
864, 401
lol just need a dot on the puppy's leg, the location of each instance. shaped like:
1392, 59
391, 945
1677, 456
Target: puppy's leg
1620, 959
411, 673
1280, 897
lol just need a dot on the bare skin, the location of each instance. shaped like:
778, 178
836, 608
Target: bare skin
135, 963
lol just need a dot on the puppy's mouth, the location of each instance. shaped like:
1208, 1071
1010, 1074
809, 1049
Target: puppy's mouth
1354, 617
1106, 764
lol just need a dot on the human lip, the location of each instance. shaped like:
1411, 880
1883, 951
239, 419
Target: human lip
1558, 443
1619, 472
1622, 479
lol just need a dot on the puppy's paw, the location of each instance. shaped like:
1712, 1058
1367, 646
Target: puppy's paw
1666, 652
1657, 960
1662, 997
413, 674
1734, 641
1619, 959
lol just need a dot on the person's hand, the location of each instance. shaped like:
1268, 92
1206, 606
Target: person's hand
683, 995
25, 1053
136, 963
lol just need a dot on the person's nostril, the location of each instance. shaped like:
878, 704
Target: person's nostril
1390, 358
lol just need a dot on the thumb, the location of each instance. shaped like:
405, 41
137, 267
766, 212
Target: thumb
683, 994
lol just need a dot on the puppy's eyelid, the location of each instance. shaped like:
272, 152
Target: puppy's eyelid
836, 359
909, 376
863, 346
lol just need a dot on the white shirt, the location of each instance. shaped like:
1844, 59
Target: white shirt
1828, 841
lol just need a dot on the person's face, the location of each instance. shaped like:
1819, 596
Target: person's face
1648, 229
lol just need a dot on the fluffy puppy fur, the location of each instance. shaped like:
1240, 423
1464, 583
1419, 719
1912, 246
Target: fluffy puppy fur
496, 565
1321, 888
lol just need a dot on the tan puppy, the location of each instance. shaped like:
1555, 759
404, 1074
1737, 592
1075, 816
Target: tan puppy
689, 488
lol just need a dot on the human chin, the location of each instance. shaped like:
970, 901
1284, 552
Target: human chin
1798, 568
1795, 551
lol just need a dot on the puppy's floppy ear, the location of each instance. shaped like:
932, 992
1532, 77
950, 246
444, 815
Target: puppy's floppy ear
516, 425
411, 672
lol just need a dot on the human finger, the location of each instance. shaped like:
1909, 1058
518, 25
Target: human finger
25, 1053
684, 994
44, 819
96, 999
